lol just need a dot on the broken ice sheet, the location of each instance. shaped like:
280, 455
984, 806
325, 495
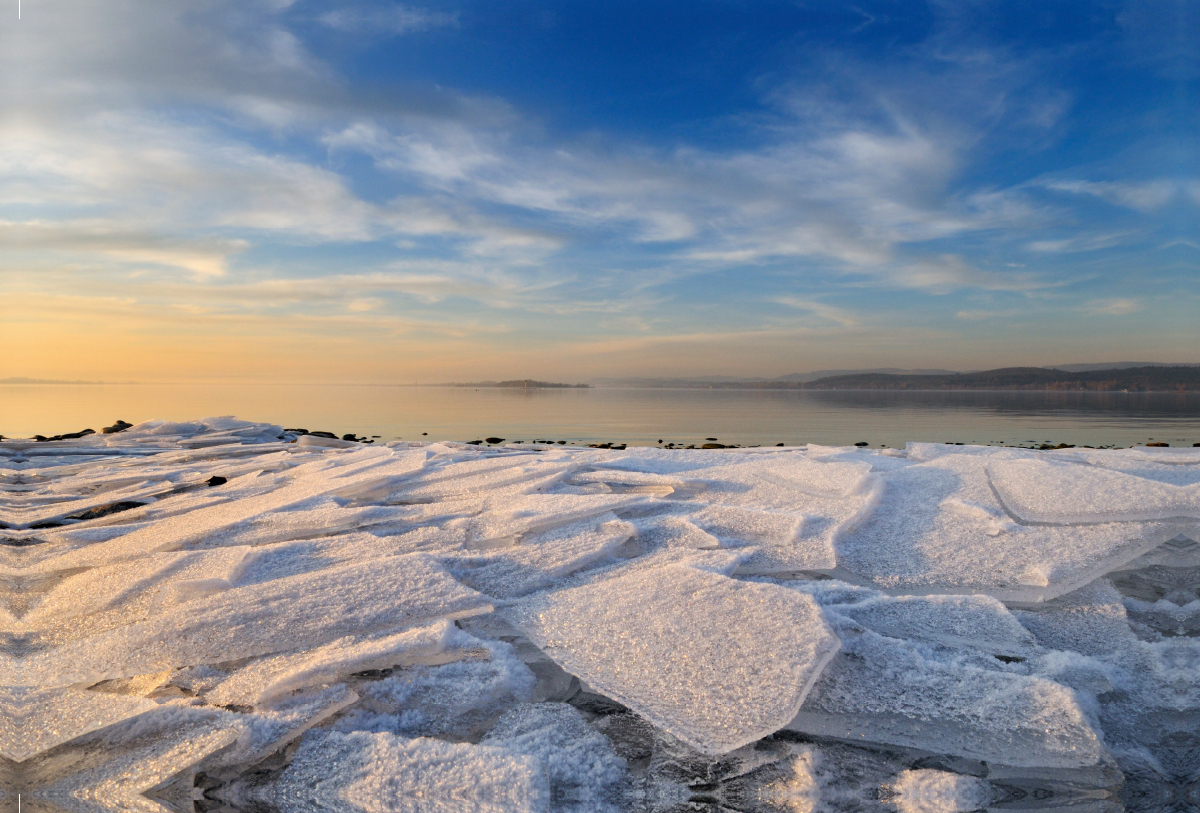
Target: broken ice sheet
460, 700
333, 772
323, 633
133, 589
652, 641
286, 614
272, 677
360, 471
539, 558
939, 528
975, 621
888, 691
1065, 493
791, 507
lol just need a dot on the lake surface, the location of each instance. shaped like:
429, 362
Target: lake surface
635, 416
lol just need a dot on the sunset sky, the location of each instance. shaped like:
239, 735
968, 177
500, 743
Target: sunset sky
374, 192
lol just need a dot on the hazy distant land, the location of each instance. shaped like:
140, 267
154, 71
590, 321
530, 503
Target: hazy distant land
1145, 377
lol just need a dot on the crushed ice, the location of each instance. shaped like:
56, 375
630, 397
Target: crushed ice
210, 616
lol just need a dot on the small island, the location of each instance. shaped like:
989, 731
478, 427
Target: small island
522, 383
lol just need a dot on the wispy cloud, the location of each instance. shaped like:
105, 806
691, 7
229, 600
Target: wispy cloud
1144, 196
1112, 307
388, 19
828, 313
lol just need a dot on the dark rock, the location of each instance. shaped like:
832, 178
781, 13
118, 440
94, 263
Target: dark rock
710, 438
563, 442
216, 480
861, 443
41, 526
779, 444
41, 438
105, 510
329, 435
423, 433
118, 426
1194, 445
349, 436
475, 442
494, 440
714, 446
1008, 659
1159, 444
297, 431
74, 435
660, 440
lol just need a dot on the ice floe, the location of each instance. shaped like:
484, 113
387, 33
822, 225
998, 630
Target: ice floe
216, 614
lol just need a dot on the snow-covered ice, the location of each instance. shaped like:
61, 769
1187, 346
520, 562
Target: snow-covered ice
443, 627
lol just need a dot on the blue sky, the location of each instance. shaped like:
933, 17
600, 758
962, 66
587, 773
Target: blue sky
422, 192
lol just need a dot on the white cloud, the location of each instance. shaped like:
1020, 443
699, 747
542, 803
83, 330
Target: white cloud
1087, 242
1112, 307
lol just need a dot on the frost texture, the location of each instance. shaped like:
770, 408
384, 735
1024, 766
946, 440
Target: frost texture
208, 615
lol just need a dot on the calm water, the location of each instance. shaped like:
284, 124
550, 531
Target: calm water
635, 416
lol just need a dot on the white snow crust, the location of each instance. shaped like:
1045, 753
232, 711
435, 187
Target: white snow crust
446, 627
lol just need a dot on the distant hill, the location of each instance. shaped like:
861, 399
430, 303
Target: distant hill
1120, 375
1134, 379
738, 382
818, 374
1114, 365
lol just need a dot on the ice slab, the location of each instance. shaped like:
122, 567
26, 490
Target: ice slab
1064, 493
360, 471
286, 614
648, 640
263, 681
379, 773
974, 621
1091, 621
888, 691
540, 558
457, 700
133, 590
940, 528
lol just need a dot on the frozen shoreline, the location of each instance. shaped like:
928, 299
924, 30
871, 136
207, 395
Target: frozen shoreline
546, 627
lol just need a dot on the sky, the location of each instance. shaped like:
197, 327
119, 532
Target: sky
385, 193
